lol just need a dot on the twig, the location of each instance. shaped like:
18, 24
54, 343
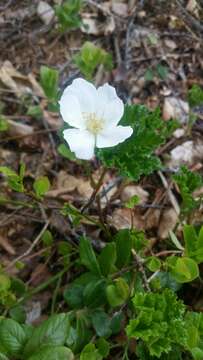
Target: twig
43, 131
167, 252
170, 193
189, 17
29, 250
142, 270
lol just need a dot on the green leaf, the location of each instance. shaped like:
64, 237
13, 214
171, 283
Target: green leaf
4, 126
190, 238
5, 282
74, 295
101, 322
153, 263
90, 57
41, 186
188, 182
35, 112
68, 14
134, 200
94, 293
103, 347
116, 322
88, 257
12, 337
18, 313
195, 95
175, 241
49, 81
52, 331
185, 270
118, 292
53, 353
149, 75
83, 334
90, 353
159, 322
107, 258
65, 152
162, 71
15, 181
47, 238
3, 357
135, 156
123, 241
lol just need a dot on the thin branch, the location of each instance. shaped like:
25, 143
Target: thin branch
29, 250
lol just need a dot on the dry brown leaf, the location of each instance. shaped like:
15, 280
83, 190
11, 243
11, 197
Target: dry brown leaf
193, 8
6, 245
153, 218
120, 8
92, 26
125, 219
175, 108
168, 222
132, 190
45, 12
17, 128
37, 89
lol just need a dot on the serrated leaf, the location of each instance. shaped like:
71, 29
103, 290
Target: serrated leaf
159, 322
135, 156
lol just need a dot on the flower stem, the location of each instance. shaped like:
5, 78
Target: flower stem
95, 191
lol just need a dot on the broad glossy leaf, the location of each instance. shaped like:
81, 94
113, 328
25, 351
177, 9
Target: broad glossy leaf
12, 337
53, 353
52, 331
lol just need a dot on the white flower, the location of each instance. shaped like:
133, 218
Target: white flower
94, 115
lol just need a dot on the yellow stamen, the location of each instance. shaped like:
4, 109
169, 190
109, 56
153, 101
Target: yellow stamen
93, 123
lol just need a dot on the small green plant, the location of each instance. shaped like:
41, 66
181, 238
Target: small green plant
160, 70
68, 14
188, 182
159, 322
15, 180
49, 81
195, 96
4, 126
90, 57
135, 156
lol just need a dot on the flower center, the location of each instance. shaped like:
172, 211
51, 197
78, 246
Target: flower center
93, 124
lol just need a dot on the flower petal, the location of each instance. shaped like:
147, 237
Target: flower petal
109, 106
113, 136
71, 111
85, 92
81, 142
